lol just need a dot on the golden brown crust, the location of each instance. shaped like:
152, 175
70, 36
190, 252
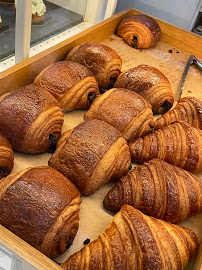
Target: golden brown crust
136, 241
6, 156
70, 83
31, 203
139, 31
158, 189
151, 84
29, 116
101, 60
90, 155
125, 110
179, 144
188, 109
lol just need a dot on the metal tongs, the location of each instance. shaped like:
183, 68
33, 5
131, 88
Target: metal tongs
192, 60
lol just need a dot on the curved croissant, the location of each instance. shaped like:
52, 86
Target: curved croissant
188, 109
139, 31
151, 84
179, 144
158, 189
6, 156
41, 206
91, 155
31, 119
72, 84
125, 110
135, 241
101, 60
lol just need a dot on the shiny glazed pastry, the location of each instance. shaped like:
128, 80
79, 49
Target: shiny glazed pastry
179, 144
91, 154
72, 84
31, 119
158, 189
125, 110
134, 241
103, 62
139, 31
41, 206
6, 156
188, 109
151, 84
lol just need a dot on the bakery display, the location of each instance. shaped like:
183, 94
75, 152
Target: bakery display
6, 156
158, 189
139, 31
72, 84
31, 119
179, 144
41, 206
136, 241
91, 154
151, 84
188, 109
101, 60
93, 217
125, 110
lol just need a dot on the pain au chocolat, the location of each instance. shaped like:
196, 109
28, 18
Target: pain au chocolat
72, 84
6, 156
179, 144
151, 84
103, 62
188, 109
91, 154
134, 241
158, 189
31, 119
125, 110
41, 206
139, 31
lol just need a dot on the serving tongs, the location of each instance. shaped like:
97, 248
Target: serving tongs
192, 60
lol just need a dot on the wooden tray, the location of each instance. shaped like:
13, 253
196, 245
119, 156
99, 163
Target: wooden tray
169, 56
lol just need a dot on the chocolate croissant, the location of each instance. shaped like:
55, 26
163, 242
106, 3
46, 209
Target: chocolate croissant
151, 84
139, 31
188, 109
136, 241
6, 156
91, 154
103, 62
41, 206
125, 110
72, 84
158, 189
31, 119
179, 144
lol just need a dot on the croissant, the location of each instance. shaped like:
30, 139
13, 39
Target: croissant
91, 155
6, 156
103, 62
135, 241
72, 84
31, 119
151, 84
158, 189
179, 144
188, 109
125, 110
41, 206
139, 31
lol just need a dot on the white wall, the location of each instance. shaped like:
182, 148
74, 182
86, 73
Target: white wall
78, 6
178, 12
